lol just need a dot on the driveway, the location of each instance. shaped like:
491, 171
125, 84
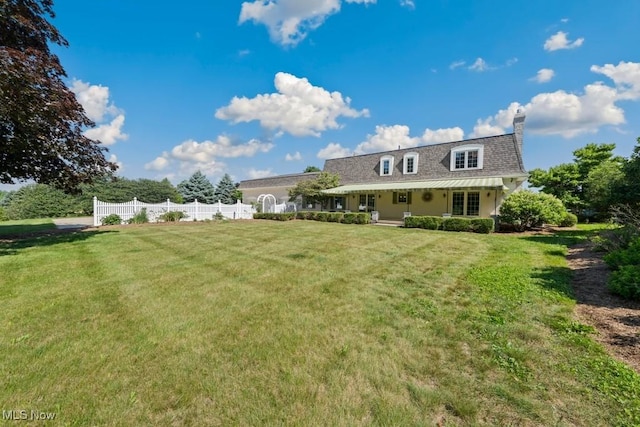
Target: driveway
74, 223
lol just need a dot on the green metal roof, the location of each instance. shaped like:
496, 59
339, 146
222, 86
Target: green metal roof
484, 183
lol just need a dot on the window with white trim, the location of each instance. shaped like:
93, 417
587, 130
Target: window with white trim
467, 157
465, 203
410, 164
386, 165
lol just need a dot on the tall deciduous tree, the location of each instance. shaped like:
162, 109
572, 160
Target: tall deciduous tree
311, 169
226, 190
41, 122
311, 189
627, 191
197, 187
570, 182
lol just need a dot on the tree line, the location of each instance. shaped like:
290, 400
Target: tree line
595, 182
47, 201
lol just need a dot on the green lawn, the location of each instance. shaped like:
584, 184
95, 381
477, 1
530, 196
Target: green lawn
301, 323
25, 226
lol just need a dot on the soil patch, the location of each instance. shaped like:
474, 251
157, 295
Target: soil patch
617, 321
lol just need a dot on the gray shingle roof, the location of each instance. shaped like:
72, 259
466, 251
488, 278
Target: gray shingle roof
278, 181
501, 158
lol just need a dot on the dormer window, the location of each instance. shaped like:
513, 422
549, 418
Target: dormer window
467, 157
410, 164
386, 165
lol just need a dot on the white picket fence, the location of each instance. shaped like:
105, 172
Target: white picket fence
195, 211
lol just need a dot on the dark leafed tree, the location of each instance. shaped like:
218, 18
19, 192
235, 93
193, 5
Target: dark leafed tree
226, 190
311, 169
311, 190
197, 187
41, 122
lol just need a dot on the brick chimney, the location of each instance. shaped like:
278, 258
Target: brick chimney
518, 128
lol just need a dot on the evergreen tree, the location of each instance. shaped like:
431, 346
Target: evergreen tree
226, 190
197, 187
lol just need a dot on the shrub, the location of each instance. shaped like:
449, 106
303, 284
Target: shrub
140, 217
172, 216
626, 282
300, 215
349, 218
335, 217
3, 214
113, 219
568, 220
526, 209
456, 224
482, 225
219, 216
288, 216
322, 216
629, 256
426, 222
363, 218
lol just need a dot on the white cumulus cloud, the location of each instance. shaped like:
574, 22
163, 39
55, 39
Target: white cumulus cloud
108, 133
560, 41
191, 155
334, 151
289, 21
480, 65
544, 75
571, 114
109, 119
293, 157
298, 108
625, 75
260, 173
442, 135
387, 138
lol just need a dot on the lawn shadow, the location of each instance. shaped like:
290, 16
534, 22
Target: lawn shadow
11, 245
16, 230
556, 279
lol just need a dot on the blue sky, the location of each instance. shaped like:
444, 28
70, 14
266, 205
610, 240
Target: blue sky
260, 88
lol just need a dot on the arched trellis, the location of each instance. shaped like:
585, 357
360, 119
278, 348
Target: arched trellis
268, 203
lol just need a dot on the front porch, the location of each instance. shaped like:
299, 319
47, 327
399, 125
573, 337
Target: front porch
480, 197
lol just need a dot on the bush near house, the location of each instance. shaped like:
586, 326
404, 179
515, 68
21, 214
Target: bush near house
344, 218
172, 216
113, 219
475, 225
525, 210
569, 220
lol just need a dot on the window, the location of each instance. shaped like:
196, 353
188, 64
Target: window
386, 165
467, 157
410, 163
469, 205
401, 198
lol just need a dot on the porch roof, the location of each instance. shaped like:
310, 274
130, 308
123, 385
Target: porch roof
483, 183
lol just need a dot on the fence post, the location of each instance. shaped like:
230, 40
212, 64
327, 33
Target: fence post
168, 205
238, 209
196, 202
95, 211
219, 205
135, 205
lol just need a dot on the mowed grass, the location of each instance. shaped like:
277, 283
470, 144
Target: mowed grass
301, 323
24, 226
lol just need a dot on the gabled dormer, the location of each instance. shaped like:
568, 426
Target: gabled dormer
386, 165
410, 163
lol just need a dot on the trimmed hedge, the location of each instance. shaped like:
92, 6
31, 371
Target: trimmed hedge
344, 218
474, 225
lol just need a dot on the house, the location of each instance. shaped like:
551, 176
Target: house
278, 186
463, 178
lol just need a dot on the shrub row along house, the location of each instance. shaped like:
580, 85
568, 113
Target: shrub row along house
463, 178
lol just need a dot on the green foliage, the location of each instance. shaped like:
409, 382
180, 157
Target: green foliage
139, 218
344, 218
311, 169
226, 191
594, 166
426, 222
627, 190
42, 124
456, 224
113, 219
41, 201
172, 216
3, 214
219, 216
322, 216
482, 225
121, 190
626, 282
526, 209
311, 189
286, 216
568, 220
197, 187
600, 186
629, 255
